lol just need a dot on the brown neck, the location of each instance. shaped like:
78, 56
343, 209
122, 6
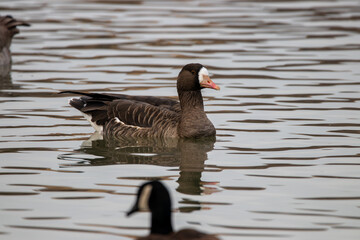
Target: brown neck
190, 101
193, 121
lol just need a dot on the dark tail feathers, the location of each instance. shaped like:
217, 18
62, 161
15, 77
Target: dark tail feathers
97, 96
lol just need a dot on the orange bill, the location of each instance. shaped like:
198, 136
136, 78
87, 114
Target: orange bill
208, 83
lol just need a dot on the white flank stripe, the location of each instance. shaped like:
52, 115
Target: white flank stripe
98, 128
117, 120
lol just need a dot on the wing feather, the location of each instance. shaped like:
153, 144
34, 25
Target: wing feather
155, 101
139, 113
128, 111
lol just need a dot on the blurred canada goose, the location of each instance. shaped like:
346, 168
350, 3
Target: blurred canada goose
120, 115
7, 31
154, 197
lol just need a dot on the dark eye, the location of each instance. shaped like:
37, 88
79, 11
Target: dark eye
193, 72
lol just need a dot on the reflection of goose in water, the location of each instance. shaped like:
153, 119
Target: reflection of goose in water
119, 115
8, 29
154, 197
188, 154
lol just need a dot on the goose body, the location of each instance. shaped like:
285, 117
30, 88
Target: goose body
154, 197
8, 29
123, 116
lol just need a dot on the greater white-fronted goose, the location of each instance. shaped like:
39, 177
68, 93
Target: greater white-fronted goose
8, 28
122, 116
154, 197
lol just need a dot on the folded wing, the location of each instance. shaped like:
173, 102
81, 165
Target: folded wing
129, 113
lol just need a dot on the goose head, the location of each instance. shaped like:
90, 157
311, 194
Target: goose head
154, 197
194, 77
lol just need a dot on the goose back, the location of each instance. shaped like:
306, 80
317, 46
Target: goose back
124, 116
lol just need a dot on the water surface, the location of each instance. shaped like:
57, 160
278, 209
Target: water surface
285, 163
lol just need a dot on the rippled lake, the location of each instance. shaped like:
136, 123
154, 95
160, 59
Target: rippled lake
286, 161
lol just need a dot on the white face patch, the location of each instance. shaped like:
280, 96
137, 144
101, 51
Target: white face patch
144, 198
203, 71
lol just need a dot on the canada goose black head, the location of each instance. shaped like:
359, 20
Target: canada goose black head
154, 197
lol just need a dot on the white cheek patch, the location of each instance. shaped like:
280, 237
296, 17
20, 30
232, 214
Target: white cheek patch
144, 198
203, 71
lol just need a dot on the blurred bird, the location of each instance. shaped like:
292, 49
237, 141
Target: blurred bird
154, 197
8, 29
